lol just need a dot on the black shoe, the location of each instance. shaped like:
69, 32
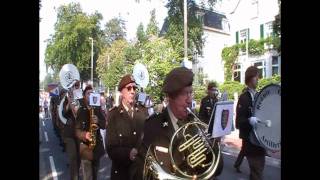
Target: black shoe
237, 169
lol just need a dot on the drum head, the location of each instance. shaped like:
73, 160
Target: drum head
267, 106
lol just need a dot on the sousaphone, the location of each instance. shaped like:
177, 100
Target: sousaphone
68, 75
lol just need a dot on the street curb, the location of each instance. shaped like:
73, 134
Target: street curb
234, 152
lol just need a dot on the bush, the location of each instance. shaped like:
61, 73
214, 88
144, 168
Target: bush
234, 86
275, 79
231, 87
199, 93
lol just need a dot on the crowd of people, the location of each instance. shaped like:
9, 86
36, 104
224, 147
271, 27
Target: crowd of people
125, 132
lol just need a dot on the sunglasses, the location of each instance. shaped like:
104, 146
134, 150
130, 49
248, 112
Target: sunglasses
131, 87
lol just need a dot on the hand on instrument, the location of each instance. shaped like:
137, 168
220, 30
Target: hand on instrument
253, 121
88, 136
133, 154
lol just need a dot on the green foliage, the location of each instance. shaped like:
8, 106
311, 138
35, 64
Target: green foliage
115, 29
159, 58
255, 48
199, 92
142, 38
175, 28
111, 73
229, 56
274, 42
277, 23
234, 86
275, 79
70, 43
152, 27
231, 87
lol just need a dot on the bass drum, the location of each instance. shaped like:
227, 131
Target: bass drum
267, 107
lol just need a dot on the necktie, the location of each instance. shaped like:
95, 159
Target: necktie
130, 112
180, 123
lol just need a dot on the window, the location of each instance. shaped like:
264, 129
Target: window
261, 31
261, 65
200, 16
268, 29
237, 73
275, 65
243, 35
237, 37
225, 25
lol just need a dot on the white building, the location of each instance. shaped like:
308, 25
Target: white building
226, 26
216, 34
216, 31
256, 18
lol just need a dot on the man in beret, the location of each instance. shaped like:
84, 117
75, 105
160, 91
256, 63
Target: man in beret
208, 102
124, 131
159, 128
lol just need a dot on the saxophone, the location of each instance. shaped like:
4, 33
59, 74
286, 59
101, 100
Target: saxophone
93, 130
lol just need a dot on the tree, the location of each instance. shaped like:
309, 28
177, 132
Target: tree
112, 64
47, 80
277, 22
160, 58
141, 34
70, 43
152, 28
175, 27
115, 29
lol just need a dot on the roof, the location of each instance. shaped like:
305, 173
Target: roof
211, 19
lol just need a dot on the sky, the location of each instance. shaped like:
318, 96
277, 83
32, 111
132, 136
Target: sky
133, 13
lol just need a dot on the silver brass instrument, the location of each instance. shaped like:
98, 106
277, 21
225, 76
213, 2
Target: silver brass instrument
192, 154
68, 76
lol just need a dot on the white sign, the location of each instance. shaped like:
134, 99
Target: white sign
94, 99
77, 93
142, 97
222, 119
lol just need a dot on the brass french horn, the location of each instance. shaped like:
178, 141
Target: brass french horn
198, 154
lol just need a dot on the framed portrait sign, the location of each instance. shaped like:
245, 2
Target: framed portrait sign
94, 99
221, 120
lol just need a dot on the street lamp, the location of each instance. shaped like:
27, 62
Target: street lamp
186, 63
185, 28
91, 60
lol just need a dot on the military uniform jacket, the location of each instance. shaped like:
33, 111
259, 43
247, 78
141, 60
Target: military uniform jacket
158, 131
82, 126
123, 134
243, 113
206, 108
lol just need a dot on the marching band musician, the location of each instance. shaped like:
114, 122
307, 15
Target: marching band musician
208, 102
245, 122
71, 142
159, 128
89, 157
58, 122
125, 125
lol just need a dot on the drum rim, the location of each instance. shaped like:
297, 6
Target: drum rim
254, 105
